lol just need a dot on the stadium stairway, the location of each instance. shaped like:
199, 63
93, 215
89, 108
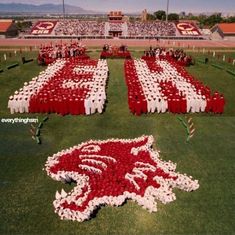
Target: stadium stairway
106, 29
124, 29
177, 33
56, 26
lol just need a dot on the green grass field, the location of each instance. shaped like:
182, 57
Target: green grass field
27, 192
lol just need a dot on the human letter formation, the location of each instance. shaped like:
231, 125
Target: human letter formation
161, 85
67, 86
75, 86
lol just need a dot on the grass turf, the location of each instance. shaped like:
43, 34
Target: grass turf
27, 193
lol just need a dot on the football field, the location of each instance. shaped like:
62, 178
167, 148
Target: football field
27, 192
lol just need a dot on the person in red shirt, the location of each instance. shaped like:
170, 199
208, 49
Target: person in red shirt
183, 105
143, 103
215, 103
221, 104
137, 108
174, 104
169, 101
208, 104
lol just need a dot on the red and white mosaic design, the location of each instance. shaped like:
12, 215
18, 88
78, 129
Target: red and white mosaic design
112, 171
67, 86
162, 85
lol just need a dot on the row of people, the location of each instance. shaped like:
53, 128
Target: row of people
114, 51
110, 48
49, 53
177, 55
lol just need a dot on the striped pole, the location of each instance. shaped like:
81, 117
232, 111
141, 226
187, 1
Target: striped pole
191, 128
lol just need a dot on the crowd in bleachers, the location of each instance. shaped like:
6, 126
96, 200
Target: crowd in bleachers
177, 55
75, 27
115, 27
49, 53
151, 29
78, 27
93, 28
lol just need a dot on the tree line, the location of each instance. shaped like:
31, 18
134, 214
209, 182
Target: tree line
204, 20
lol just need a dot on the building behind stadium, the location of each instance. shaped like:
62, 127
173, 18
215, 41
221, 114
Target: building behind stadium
223, 31
8, 29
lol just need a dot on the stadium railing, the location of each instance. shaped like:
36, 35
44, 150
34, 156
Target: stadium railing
110, 37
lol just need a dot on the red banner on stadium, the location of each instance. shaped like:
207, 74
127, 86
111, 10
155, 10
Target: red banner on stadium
43, 27
187, 29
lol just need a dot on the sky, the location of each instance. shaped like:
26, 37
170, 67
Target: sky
139, 5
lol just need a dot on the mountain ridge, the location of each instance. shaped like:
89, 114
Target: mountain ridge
43, 8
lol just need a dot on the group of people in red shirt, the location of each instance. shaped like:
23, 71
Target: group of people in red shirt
77, 86
115, 52
67, 86
50, 53
177, 55
161, 85
111, 171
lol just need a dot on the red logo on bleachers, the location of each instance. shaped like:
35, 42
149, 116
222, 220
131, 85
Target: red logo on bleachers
188, 29
43, 27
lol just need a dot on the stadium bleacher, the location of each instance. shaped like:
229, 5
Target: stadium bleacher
151, 29
77, 27
93, 29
